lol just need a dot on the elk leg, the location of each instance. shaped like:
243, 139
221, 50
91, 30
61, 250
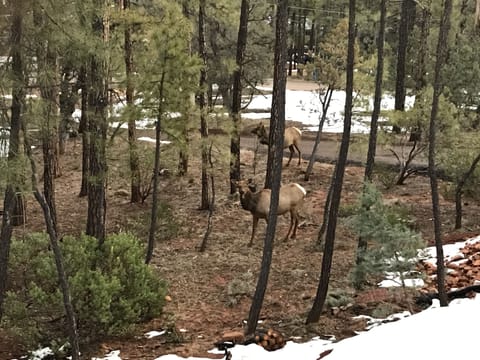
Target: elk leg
292, 150
254, 229
294, 234
299, 154
291, 225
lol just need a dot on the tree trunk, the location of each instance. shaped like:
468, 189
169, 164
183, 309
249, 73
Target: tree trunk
403, 32
47, 70
18, 96
237, 96
372, 140
459, 191
202, 103
275, 158
53, 236
84, 131
420, 72
156, 170
442, 49
337, 181
135, 193
325, 105
97, 128
477, 14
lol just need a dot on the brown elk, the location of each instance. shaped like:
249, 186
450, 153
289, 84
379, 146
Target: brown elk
291, 140
291, 198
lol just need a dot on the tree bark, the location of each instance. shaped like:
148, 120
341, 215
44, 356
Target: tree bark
337, 181
275, 158
156, 170
135, 193
442, 49
459, 191
237, 96
84, 130
202, 103
403, 32
325, 105
47, 70
18, 97
97, 128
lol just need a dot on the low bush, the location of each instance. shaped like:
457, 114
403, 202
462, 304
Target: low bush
112, 288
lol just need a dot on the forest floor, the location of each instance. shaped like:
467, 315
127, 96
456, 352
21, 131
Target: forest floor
211, 291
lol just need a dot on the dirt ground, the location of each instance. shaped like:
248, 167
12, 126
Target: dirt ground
211, 291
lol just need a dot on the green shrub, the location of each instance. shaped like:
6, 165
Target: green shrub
112, 289
393, 245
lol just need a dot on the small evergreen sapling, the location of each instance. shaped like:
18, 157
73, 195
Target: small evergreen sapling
393, 245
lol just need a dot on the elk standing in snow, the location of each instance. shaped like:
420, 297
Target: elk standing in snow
291, 198
292, 139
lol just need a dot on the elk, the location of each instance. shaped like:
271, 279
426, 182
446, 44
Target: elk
291, 140
291, 198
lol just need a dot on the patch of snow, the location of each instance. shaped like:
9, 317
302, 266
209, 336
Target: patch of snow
154, 333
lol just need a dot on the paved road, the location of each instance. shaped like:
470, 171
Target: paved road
327, 151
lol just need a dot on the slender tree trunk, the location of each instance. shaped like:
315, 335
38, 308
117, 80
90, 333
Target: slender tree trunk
47, 69
337, 181
459, 191
97, 126
420, 72
403, 30
442, 49
237, 96
325, 105
59, 263
275, 157
202, 102
402, 55
372, 140
18, 98
135, 193
156, 170
83, 129
477, 14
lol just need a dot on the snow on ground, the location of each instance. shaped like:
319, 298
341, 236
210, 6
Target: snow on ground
441, 333
300, 106
305, 107
436, 333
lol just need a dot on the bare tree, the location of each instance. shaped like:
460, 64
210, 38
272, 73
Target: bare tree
275, 158
442, 49
337, 180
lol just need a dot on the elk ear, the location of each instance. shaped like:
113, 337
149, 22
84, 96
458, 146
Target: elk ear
251, 185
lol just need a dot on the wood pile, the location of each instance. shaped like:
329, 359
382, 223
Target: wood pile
269, 339
462, 270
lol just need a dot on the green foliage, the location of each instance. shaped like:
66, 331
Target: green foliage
337, 298
456, 161
112, 288
392, 244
